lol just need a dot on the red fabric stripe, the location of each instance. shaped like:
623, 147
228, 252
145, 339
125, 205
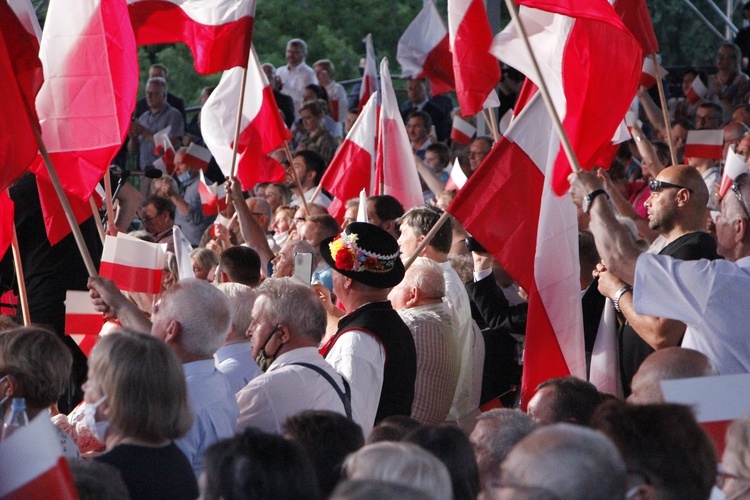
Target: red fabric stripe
132, 279
717, 431
438, 67
86, 324
589, 67
647, 80
349, 172
55, 483
703, 151
22, 78
460, 137
634, 14
476, 70
9, 303
6, 221
214, 48
692, 96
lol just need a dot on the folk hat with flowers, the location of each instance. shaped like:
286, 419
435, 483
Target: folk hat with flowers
366, 254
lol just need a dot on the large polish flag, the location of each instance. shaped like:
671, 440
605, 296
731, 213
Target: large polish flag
509, 207
370, 76
353, 167
424, 50
262, 130
134, 265
82, 321
85, 105
581, 46
6, 222
394, 166
218, 32
634, 14
475, 71
22, 78
32, 464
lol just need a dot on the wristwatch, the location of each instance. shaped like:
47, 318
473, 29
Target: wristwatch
618, 295
589, 199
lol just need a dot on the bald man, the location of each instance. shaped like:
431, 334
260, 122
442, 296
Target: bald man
677, 211
667, 364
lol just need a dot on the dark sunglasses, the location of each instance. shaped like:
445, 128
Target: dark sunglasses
656, 185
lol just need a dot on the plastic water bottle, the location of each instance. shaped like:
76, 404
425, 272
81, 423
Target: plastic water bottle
17, 417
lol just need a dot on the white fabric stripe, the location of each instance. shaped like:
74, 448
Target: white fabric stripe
212, 12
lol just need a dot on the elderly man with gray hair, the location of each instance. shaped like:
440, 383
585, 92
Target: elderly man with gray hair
287, 327
234, 359
419, 301
565, 462
496, 433
193, 319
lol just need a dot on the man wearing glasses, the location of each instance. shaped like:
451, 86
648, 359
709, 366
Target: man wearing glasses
709, 296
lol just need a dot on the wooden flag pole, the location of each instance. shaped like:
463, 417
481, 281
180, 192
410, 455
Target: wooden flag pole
296, 177
111, 227
237, 127
574, 165
316, 193
22, 297
97, 218
664, 110
90, 267
427, 239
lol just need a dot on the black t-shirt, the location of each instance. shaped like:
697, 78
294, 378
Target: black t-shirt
162, 473
633, 349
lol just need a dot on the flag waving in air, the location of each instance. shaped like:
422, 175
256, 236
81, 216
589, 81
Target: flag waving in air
582, 47
218, 32
424, 50
261, 131
370, 76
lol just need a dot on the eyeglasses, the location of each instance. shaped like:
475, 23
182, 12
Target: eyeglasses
737, 190
655, 185
147, 220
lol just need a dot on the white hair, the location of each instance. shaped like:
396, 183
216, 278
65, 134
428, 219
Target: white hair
426, 276
401, 463
241, 300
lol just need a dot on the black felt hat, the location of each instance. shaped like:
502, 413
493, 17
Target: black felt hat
366, 254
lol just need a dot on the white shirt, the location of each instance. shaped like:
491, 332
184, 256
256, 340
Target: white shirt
470, 345
360, 358
337, 98
711, 297
294, 80
287, 389
214, 409
237, 363
321, 199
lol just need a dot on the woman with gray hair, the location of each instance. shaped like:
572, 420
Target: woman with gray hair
135, 402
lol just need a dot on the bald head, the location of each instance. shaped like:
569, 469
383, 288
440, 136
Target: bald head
667, 364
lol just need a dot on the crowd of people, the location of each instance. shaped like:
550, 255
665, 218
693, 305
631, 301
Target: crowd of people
378, 354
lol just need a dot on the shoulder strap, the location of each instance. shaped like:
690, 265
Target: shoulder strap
346, 397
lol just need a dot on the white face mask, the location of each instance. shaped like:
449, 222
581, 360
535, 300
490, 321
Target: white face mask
98, 429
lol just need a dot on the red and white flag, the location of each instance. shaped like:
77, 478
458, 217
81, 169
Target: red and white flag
82, 321
213, 197
165, 150
197, 157
462, 132
704, 144
395, 168
648, 74
370, 76
32, 464
508, 206
475, 70
605, 361
424, 50
457, 178
134, 265
733, 167
716, 401
353, 167
262, 129
22, 78
85, 105
218, 32
697, 91
582, 47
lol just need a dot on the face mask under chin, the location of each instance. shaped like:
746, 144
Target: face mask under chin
263, 359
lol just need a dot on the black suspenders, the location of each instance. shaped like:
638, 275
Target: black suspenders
346, 397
